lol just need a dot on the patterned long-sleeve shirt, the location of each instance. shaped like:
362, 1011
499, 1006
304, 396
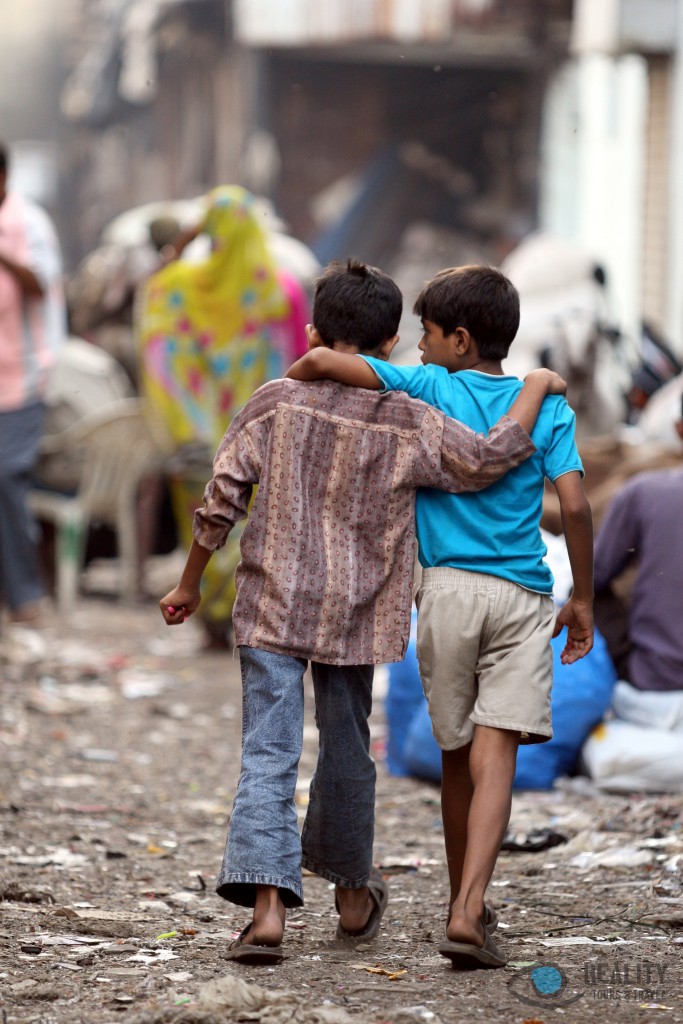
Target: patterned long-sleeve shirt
328, 552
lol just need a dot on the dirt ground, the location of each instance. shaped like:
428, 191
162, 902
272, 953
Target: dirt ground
119, 750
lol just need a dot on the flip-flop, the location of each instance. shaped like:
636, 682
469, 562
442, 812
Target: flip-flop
380, 895
489, 918
250, 953
466, 955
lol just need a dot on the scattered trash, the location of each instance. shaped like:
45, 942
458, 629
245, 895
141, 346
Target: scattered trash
393, 865
94, 754
391, 975
414, 1013
179, 976
135, 685
582, 940
238, 999
61, 858
533, 841
153, 956
69, 781
618, 857
113, 814
22, 646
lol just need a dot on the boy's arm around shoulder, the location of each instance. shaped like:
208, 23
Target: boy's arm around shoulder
323, 363
577, 526
471, 462
236, 468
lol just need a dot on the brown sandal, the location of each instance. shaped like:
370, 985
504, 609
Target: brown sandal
251, 953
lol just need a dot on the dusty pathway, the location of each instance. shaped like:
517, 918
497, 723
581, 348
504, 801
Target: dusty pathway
119, 749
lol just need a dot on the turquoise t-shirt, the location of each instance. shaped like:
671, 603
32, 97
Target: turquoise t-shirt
496, 530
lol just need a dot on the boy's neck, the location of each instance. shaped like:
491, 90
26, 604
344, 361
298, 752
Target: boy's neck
347, 347
491, 366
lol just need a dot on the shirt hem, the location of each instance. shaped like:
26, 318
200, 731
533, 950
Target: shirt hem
321, 657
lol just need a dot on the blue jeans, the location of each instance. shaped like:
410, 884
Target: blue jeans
20, 434
264, 847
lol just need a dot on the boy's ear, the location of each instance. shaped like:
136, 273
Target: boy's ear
314, 339
463, 341
387, 347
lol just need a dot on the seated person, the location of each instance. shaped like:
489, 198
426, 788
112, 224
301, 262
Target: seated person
643, 522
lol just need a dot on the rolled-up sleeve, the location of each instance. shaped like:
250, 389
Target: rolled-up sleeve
237, 468
450, 456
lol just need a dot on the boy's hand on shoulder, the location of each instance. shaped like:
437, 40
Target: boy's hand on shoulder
178, 604
577, 616
305, 368
551, 381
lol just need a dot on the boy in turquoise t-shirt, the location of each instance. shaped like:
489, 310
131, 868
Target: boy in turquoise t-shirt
486, 614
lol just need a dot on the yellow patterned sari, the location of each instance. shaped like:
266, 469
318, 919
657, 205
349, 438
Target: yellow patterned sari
210, 334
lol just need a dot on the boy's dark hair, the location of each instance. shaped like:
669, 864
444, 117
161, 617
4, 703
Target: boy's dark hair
357, 304
478, 298
4, 158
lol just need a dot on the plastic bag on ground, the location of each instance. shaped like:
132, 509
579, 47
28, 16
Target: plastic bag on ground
622, 757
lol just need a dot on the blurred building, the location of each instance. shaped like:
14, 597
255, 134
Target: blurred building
612, 173
376, 126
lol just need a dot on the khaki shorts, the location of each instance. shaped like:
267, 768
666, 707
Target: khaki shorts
483, 646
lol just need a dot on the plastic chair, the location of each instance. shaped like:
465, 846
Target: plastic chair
117, 451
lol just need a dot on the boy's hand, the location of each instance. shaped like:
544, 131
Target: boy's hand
577, 616
178, 604
554, 384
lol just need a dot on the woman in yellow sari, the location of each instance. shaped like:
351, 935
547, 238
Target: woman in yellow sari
210, 334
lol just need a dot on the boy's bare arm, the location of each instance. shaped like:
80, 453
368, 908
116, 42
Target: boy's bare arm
471, 462
327, 364
184, 599
577, 525
537, 385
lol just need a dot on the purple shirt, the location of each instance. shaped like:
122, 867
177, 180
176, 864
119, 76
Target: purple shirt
645, 521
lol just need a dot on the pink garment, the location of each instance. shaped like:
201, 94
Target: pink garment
30, 327
296, 343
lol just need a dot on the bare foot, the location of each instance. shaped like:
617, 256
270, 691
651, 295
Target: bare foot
268, 925
464, 926
355, 907
30, 614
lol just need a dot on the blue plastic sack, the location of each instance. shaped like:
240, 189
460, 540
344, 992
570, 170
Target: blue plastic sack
422, 754
404, 697
581, 695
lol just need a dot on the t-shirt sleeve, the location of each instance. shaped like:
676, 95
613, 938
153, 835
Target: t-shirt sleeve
416, 381
562, 455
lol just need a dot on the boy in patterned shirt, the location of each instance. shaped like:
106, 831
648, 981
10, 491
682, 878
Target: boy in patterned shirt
326, 577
